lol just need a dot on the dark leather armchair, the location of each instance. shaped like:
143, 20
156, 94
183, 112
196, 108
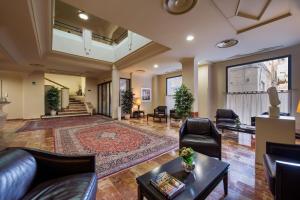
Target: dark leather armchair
202, 135
161, 112
282, 168
226, 116
32, 174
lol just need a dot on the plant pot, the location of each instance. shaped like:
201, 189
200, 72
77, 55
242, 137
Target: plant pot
53, 112
188, 167
127, 116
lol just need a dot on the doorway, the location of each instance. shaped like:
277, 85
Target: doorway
104, 98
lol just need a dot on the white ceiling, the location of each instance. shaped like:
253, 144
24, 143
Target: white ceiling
206, 22
24, 41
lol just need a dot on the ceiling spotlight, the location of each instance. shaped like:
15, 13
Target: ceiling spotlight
177, 7
190, 38
155, 66
227, 43
83, 15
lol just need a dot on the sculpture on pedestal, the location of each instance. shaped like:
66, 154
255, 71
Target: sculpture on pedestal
274, 109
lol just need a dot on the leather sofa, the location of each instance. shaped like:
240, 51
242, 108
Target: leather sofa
282, 169
33, 174
202, 135
226, 116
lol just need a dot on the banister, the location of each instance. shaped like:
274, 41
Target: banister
56, 83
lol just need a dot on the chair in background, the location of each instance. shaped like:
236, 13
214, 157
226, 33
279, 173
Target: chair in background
202, 135
160, 112
282, 169
226, 116
33, 174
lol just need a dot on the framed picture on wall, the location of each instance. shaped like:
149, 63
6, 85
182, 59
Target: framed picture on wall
146, 94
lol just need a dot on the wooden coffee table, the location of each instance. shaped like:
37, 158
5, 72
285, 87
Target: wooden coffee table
208, 173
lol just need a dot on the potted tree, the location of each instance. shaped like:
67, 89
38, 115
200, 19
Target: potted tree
183, 103
52, 98
127, 103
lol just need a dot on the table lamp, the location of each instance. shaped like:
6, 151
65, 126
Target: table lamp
138, 102
298, 108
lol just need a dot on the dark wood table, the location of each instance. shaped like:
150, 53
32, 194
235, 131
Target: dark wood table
208, 173
157, 116
233, 127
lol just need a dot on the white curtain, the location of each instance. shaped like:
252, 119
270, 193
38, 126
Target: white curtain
253, 104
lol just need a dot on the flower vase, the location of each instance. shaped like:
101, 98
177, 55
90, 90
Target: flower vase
188, 166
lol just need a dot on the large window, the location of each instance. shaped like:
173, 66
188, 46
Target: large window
259, 76
173, 83
247, 85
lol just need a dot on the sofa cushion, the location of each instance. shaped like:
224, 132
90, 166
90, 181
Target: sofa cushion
198, 140
17, 171
198, 126
270, 165
79, 186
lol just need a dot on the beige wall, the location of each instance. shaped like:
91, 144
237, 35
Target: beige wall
72, 82
13, 86
91, 93
204, 83
219, 76
139, 81
26, 94
33, 95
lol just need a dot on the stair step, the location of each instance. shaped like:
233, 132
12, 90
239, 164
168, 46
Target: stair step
72, 112
60, 116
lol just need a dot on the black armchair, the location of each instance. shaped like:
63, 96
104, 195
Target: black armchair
33, 174
159, 112
226, 116
282, 168
202, 135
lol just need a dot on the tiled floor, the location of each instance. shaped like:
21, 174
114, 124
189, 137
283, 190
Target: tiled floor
246, 180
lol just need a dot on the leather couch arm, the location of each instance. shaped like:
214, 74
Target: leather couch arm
182, 130
285, 150
287, 180
53, 165
216, 134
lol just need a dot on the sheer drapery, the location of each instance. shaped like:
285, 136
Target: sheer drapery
248, 105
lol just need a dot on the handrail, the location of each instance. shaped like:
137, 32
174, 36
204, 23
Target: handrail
56, 83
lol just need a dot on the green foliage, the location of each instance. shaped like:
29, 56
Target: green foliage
127, 101
183, 101
52, 98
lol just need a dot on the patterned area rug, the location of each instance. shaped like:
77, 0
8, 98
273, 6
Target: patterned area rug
43, 124
117, 145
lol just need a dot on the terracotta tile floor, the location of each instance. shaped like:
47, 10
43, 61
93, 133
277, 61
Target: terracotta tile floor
246, 180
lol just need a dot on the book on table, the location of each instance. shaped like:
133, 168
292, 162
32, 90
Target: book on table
168, 185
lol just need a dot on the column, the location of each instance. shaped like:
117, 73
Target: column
115, 95
190, 79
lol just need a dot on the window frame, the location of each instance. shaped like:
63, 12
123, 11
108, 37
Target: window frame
167, 83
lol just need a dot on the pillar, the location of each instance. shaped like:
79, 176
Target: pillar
115, 95
190, 79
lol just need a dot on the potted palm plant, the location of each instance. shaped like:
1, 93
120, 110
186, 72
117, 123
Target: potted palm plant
127, 103
183, 102
52, 98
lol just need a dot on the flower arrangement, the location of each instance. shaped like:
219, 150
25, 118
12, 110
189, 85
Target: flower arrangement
187, 153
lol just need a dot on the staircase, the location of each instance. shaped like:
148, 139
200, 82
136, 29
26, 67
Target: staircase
76, 108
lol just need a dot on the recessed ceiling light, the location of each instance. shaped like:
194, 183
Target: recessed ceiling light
227, 43
190, 38
155, 66
177, 7
83, 15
